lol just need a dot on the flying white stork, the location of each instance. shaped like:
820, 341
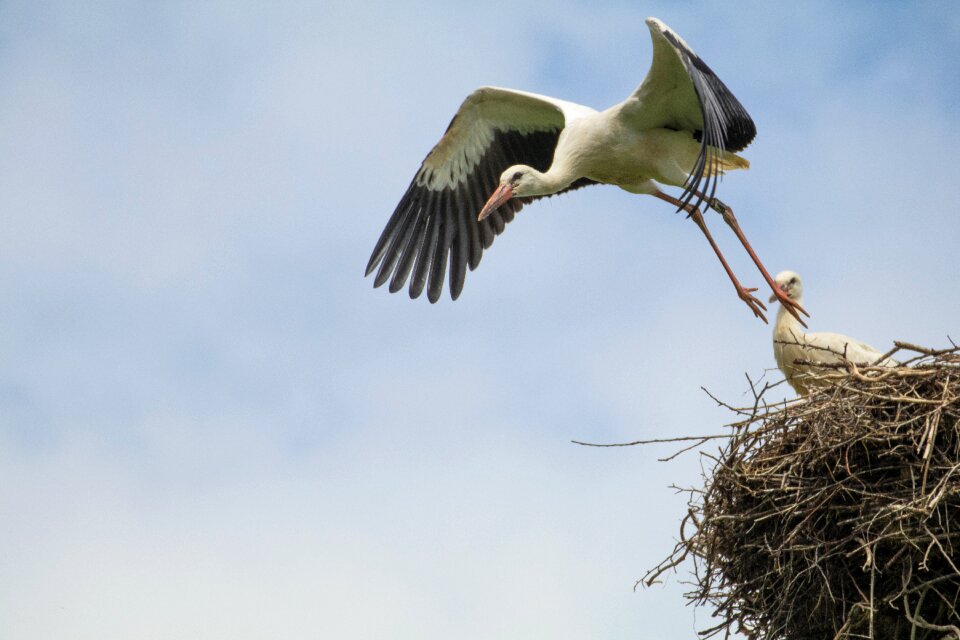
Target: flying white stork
791, 343
681, 127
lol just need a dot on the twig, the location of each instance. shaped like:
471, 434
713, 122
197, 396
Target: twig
700, 439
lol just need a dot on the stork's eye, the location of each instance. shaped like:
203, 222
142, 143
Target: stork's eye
516, 176
793, 281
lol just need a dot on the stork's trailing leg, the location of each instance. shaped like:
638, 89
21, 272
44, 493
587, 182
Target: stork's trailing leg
744, 293
792, 306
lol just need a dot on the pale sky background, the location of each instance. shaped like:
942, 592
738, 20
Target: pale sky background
211, 426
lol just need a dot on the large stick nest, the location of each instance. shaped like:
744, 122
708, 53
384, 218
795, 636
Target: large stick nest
836, 515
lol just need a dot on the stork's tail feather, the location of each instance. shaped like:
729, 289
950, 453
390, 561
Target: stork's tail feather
727, 161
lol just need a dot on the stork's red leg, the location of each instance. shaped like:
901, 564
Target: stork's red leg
727, 214
744, 293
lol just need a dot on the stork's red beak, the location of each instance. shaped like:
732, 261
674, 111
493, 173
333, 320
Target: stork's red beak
503, 193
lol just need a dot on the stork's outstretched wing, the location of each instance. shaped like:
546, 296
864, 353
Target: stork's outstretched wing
437, 216
681, 92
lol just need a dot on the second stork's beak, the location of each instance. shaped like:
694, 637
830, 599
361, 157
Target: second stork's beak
773, 297
503, 193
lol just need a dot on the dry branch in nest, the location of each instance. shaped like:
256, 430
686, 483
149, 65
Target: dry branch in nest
837, 515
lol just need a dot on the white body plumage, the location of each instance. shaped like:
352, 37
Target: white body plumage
792, 344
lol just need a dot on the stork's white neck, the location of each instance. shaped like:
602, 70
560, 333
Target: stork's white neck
786, 325
544, 184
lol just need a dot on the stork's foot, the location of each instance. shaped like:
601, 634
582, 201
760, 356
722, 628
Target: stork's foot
790, 305
746, 294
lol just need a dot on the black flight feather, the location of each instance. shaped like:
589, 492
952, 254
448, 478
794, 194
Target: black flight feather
432, 226
726, 125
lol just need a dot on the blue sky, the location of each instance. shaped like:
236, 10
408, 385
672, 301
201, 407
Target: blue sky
210, 424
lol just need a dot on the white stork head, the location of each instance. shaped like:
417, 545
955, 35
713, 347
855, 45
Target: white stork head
790, 283
516, 182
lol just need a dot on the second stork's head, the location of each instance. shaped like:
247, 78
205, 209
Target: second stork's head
789, 282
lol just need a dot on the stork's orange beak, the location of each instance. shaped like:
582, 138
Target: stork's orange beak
503, 193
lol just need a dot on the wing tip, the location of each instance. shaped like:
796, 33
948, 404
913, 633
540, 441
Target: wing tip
414, 290
375, 258
659, 27
381, 278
